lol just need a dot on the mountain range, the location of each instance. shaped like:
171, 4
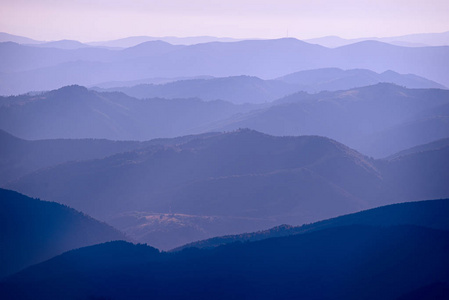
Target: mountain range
377, 120
76, 112
335, 262
244, 169
20, 157
197, 188
246, 89
411, 40
30, 68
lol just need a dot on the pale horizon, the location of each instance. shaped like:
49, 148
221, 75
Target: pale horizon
99, 20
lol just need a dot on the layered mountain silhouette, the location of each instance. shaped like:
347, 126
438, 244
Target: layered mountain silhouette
245, 177
334, 79
28, 68
411, 40
136, 40
33, 231
62, 44
76, 112
349, 262
204, 146
239, 89
20, 157
246, 89
377, 120
436, 145
6, 37
429, 213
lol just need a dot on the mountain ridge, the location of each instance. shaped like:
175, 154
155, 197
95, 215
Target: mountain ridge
30, 68
243, 177
428, 213
263, 269
35, 230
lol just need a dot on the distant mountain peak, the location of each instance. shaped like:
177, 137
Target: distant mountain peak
72, 88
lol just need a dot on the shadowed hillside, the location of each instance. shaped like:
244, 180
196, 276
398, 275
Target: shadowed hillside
33, 231
351, 262
244, 177
429, 213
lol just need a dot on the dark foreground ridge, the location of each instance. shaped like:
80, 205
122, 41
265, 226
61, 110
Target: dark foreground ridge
351, 262
430, 213
32, 231
337, 259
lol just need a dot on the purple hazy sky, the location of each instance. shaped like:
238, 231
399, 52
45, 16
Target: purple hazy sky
89, 20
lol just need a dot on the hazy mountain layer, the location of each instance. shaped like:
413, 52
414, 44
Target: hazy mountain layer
75, 112
334, 79
246, 89
410, 40
376, 120
33, 231
246, 177
26, 68
240, 89
439, 144
20, 157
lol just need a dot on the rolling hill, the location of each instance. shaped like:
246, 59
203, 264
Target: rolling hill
76, 112
376, 120
248, 89
33, 231
438, 144
351, 262
244, 177
428, 213
411, 40
258, 178
238, 89
19, 157
334, 79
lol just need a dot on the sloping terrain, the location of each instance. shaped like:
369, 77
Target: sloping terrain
75, 112
350, 262
237, 89
19, 157
429, 213
334, 79
32, 231
243, 177
377, 120
248, 89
